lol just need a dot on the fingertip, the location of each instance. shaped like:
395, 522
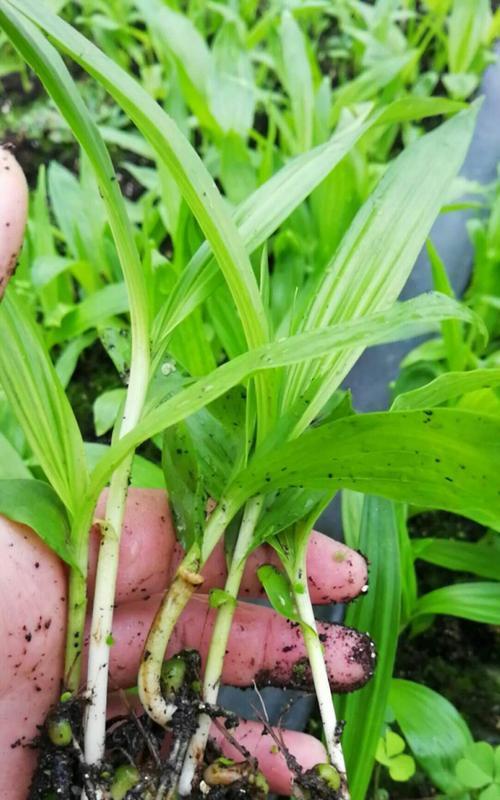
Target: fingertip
336, 573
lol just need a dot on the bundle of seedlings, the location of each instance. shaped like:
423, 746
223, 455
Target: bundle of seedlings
253, 450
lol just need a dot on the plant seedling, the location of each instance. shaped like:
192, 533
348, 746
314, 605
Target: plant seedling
263, 435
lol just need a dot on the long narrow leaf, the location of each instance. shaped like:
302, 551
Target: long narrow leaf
478, 601
399, 322
379, 250
37, 398
172, 147
478, 558
262, 213
442, 458
378, 614
446, 387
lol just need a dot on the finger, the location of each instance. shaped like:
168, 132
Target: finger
253, 736
149, 555
262, 646
13, 212
32, 620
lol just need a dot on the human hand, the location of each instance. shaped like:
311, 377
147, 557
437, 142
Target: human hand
33, 608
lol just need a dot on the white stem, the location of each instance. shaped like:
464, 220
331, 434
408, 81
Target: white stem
107, 569
320, 677
218, 644
186, 580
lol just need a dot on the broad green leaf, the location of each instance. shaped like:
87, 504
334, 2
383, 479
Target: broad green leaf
478, 558
37, 398
434, 730
446, 387
106, 408
378, 252
278, 591
377, 614
95, 310
439, 458
35, 504
478, 601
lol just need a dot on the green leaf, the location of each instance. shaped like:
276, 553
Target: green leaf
380, 327
174, 37
218, 598
184, 482
395, 744
468, 28
414, 456
478, 558
11, 463
231, 86
95, 310
106, 408
262, 213
369, 83
50, 68
37, 398
174, 150
402, 768
278, 591
379, 250
491, 792
377, 614
478, 601
298, 79
145, 474
434, 730
446, 387
35, 504
477, 768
